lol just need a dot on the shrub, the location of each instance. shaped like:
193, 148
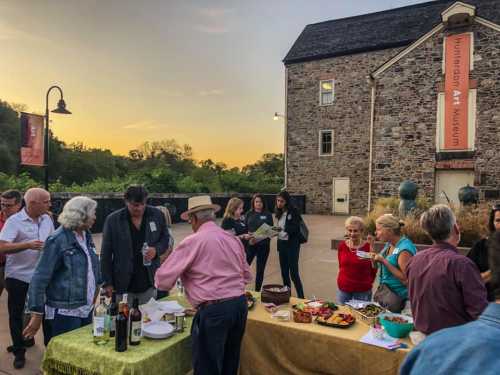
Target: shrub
472, 220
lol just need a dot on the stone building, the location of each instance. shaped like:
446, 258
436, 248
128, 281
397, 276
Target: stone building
409, 93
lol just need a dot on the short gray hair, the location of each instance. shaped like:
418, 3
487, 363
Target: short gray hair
205, 215
438, 221
76, 212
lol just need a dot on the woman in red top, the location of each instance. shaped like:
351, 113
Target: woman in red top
356, 274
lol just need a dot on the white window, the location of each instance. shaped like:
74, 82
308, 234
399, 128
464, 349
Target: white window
325, 142
326, 92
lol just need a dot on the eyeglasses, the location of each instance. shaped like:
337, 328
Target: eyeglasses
7, 205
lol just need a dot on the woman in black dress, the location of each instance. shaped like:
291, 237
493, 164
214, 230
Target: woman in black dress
289, 241
254, 218
233, 220
479, 252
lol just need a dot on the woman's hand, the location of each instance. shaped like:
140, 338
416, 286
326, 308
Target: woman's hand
245, 236
33, 326
377, 257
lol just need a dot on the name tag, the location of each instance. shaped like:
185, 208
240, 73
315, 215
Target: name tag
152, 225
289, 217
263, 218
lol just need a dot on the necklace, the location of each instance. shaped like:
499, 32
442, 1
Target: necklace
352, 248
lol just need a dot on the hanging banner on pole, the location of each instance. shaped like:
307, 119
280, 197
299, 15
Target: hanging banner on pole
32, 142
457, 92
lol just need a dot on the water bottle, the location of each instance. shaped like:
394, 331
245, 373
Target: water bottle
180, 287
144, 251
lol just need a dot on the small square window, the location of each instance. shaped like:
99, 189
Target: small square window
326, 142
326, 92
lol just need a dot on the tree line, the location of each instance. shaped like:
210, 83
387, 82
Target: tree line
163, 166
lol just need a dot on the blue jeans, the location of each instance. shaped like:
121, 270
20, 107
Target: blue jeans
62, 323
216, 336
343, 297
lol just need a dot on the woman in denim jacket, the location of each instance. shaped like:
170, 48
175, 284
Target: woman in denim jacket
67, 277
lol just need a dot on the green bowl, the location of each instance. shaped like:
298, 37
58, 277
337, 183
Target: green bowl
397, 330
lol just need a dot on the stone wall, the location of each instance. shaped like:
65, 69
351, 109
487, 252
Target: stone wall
405, 123
405, 117
349, 117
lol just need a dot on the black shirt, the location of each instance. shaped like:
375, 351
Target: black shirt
139, 281
479, 255
255, 219
238, 227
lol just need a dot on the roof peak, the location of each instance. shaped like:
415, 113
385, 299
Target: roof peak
418, 5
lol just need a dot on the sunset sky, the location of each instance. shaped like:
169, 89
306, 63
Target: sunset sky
206, 73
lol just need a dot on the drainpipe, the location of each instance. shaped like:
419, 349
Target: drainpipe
285, 140
372, 83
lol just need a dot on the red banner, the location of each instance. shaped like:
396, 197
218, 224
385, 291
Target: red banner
32, 141
457, 69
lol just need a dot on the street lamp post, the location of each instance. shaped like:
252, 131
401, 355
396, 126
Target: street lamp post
276, 117
61, 108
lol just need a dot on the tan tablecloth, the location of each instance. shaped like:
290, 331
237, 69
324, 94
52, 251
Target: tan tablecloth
271, 347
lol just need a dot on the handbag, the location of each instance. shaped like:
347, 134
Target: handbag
303, 231
386, 298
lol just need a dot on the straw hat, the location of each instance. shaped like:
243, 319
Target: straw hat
199, 203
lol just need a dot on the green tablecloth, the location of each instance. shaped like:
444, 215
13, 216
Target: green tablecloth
75, 353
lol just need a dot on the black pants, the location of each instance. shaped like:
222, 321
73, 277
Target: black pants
216, 336
261, 251
289, 262
16, 298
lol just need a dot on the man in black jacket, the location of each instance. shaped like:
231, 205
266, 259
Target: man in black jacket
125, 268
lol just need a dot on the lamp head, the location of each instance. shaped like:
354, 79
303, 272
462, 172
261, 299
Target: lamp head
61, 108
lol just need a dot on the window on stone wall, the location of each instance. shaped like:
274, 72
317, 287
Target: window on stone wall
326, 92
325, 142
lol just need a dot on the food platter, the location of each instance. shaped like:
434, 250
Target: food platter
317, 308
337, 320
371, 310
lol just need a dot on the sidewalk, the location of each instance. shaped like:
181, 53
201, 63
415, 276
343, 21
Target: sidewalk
318, 267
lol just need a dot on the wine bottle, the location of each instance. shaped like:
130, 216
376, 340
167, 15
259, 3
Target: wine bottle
121, 329
100, 331
112, 313
125, 307
135, 324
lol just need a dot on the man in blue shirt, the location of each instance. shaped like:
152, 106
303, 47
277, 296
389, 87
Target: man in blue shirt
467, 349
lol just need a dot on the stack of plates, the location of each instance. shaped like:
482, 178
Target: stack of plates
157, 330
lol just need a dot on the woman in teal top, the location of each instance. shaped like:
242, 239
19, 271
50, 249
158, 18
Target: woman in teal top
392, 292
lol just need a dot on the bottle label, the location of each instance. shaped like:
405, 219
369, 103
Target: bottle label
99, 326
135, 331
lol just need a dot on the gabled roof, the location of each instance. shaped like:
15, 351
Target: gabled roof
375, 31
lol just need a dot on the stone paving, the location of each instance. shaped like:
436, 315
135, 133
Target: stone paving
318, 267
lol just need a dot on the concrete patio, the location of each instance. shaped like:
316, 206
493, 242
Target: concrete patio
318, 265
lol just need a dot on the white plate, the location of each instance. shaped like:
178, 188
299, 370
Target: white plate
170, 307
157, 330
363, 254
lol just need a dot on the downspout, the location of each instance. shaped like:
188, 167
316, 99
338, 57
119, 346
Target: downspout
285, 140
372, 83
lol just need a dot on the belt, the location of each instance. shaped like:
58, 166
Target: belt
216, 301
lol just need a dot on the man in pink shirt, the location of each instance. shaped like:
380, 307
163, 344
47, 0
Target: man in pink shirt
213, 269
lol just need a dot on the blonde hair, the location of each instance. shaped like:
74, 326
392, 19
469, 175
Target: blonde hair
166, 213
355, 220
232, 206
391, 222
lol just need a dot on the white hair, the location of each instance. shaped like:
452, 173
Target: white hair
205, 215
76, 212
